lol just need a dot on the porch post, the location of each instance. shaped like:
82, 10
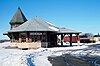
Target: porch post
78, 39
30, 39
27, 37
39, 38
62, 39
70, 39
20, 39
12, 38
46, 40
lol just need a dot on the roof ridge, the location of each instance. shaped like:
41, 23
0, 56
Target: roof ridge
39, 22
49, 24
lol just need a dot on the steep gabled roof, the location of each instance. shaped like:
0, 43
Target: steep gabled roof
18, 17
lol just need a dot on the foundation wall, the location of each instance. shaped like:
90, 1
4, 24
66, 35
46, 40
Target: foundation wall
26, 45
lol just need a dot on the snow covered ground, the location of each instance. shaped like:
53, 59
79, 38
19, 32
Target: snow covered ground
39, 57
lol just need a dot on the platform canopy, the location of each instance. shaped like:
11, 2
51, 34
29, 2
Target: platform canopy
65, 30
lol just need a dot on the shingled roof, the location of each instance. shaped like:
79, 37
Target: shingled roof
37, 24
64, 30
18, 17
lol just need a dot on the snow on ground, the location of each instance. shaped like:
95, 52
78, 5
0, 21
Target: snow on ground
5, 44
39, 57
17, 57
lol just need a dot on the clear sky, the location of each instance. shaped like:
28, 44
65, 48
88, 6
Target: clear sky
79, 15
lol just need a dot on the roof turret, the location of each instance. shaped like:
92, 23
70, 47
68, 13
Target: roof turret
18, 17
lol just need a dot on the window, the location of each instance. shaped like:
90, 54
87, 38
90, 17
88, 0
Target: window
43, 38
23, 36
36, 36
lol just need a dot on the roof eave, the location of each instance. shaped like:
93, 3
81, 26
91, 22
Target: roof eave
70, 32
31, 31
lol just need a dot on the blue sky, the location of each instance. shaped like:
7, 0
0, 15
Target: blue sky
79, 15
